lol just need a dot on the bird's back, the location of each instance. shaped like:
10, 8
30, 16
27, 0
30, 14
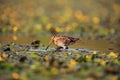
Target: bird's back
64, 40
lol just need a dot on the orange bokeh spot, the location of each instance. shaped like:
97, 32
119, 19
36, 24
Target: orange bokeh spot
15, 75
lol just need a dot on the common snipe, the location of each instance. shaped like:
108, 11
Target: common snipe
62, 41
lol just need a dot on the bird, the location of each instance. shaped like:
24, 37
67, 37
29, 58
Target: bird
35, 44
62, 41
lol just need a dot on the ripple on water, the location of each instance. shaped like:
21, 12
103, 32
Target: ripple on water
67, 50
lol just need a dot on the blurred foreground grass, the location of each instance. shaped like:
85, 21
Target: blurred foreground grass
18, 63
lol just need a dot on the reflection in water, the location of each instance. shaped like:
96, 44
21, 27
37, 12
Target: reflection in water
98, 45
117, 44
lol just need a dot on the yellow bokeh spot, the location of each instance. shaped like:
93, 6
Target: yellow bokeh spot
90, 78
115, 78
1, 59
85, 18
49, 26
113, 54
13, 21
78, 14
103, 62
97, 60
88, 57
14, 38
94, 52
55, 71
62, 19
15, 29
58, 29
38, 26
46, 58
96, 20
72, 63
68, 13
74, 25
5, 55
15, 75
80, 17
68, 28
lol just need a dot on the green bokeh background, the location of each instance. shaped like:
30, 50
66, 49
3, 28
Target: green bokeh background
95, 19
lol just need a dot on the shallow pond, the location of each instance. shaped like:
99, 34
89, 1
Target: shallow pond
98, 45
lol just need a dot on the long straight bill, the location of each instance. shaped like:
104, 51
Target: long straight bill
50, 41
48, 45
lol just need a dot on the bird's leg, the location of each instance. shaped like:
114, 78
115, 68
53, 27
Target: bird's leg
66, 47
58, 49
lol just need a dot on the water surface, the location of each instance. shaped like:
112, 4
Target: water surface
98, 45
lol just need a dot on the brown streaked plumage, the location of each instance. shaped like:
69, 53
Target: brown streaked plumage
62, 41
